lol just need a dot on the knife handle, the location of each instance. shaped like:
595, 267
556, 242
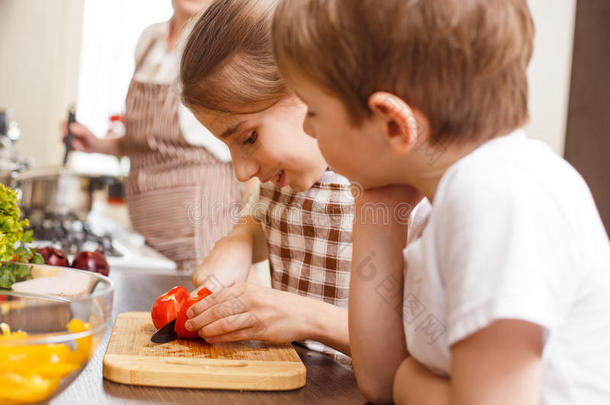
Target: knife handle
70, 136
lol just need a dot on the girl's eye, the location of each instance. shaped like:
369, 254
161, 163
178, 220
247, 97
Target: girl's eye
310, 114
251, 138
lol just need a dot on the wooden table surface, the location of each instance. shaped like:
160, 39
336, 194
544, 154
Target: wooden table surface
328, 382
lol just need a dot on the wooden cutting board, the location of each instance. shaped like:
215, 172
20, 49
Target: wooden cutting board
131, 358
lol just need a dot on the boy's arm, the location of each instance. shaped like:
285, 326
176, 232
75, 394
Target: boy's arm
376, 290
500, 364
232, 256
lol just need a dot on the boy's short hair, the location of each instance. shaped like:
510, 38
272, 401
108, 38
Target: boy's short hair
462, 63
228, 64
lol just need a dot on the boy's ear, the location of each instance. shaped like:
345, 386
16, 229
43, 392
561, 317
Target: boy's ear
400, 124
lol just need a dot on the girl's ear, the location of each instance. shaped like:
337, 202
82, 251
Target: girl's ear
400, 123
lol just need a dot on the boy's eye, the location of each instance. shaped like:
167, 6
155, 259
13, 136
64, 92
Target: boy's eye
310, 113
251, 138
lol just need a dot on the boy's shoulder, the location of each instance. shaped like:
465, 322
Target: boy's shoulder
510, 167
515, 187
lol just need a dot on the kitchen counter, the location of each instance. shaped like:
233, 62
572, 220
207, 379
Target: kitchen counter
328, 382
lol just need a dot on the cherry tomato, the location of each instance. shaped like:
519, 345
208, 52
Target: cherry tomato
166, 307
180, 328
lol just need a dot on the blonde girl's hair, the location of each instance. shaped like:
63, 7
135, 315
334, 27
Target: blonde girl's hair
227, 64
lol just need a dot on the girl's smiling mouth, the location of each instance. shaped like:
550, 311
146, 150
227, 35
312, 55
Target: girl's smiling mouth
279, 179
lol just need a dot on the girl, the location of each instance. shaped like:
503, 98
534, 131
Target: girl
301, 218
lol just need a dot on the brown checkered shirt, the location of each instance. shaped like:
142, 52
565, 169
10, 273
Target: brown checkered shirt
309, 239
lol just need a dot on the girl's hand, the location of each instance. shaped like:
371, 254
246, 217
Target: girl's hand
231, 259
250, 312
227, 264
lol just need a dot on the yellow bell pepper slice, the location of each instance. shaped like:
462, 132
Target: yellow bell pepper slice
31, 373
18, 389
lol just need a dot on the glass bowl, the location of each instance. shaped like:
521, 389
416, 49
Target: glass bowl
51, 325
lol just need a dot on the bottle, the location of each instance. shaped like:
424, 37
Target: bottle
116, 126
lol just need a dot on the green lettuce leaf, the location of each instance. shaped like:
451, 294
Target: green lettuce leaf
10, 273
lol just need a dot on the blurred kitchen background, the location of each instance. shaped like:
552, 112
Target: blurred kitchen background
54, 53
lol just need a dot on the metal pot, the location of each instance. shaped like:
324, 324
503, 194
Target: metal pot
10, 169
6, 178
56, 190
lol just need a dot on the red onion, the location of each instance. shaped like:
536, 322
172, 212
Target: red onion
91, 261
53, 256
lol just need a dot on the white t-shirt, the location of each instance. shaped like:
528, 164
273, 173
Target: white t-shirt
161, 66
514, 233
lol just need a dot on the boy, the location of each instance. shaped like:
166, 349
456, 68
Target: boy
505, 296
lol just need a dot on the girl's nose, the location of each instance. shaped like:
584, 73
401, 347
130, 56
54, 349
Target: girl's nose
246, 167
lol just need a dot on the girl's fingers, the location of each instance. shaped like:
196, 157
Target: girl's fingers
214, 299
231, 327
237, 336
219, 311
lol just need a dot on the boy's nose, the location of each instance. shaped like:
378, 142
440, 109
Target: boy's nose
307, 128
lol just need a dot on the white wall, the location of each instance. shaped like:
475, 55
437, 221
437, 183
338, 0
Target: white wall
39, 63
550, 69
111, 29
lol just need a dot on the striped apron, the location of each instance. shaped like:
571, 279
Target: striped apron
309, 240
179, 196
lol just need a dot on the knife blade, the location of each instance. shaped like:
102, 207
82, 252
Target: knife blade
166, 334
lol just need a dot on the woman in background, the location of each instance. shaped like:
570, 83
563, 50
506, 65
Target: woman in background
181, 191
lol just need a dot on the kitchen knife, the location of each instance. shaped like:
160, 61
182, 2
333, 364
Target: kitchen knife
70, 136
166, 334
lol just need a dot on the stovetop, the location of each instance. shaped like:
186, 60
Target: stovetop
69, 233
124, 249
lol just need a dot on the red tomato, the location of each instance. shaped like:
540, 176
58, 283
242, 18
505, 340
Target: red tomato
180, 328
204, 292
166, 307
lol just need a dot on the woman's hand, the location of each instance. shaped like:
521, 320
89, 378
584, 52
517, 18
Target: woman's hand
85, 141
249, 311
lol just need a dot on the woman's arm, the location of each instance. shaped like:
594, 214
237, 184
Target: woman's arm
500, 365
376, 290
112, 146
85, 141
